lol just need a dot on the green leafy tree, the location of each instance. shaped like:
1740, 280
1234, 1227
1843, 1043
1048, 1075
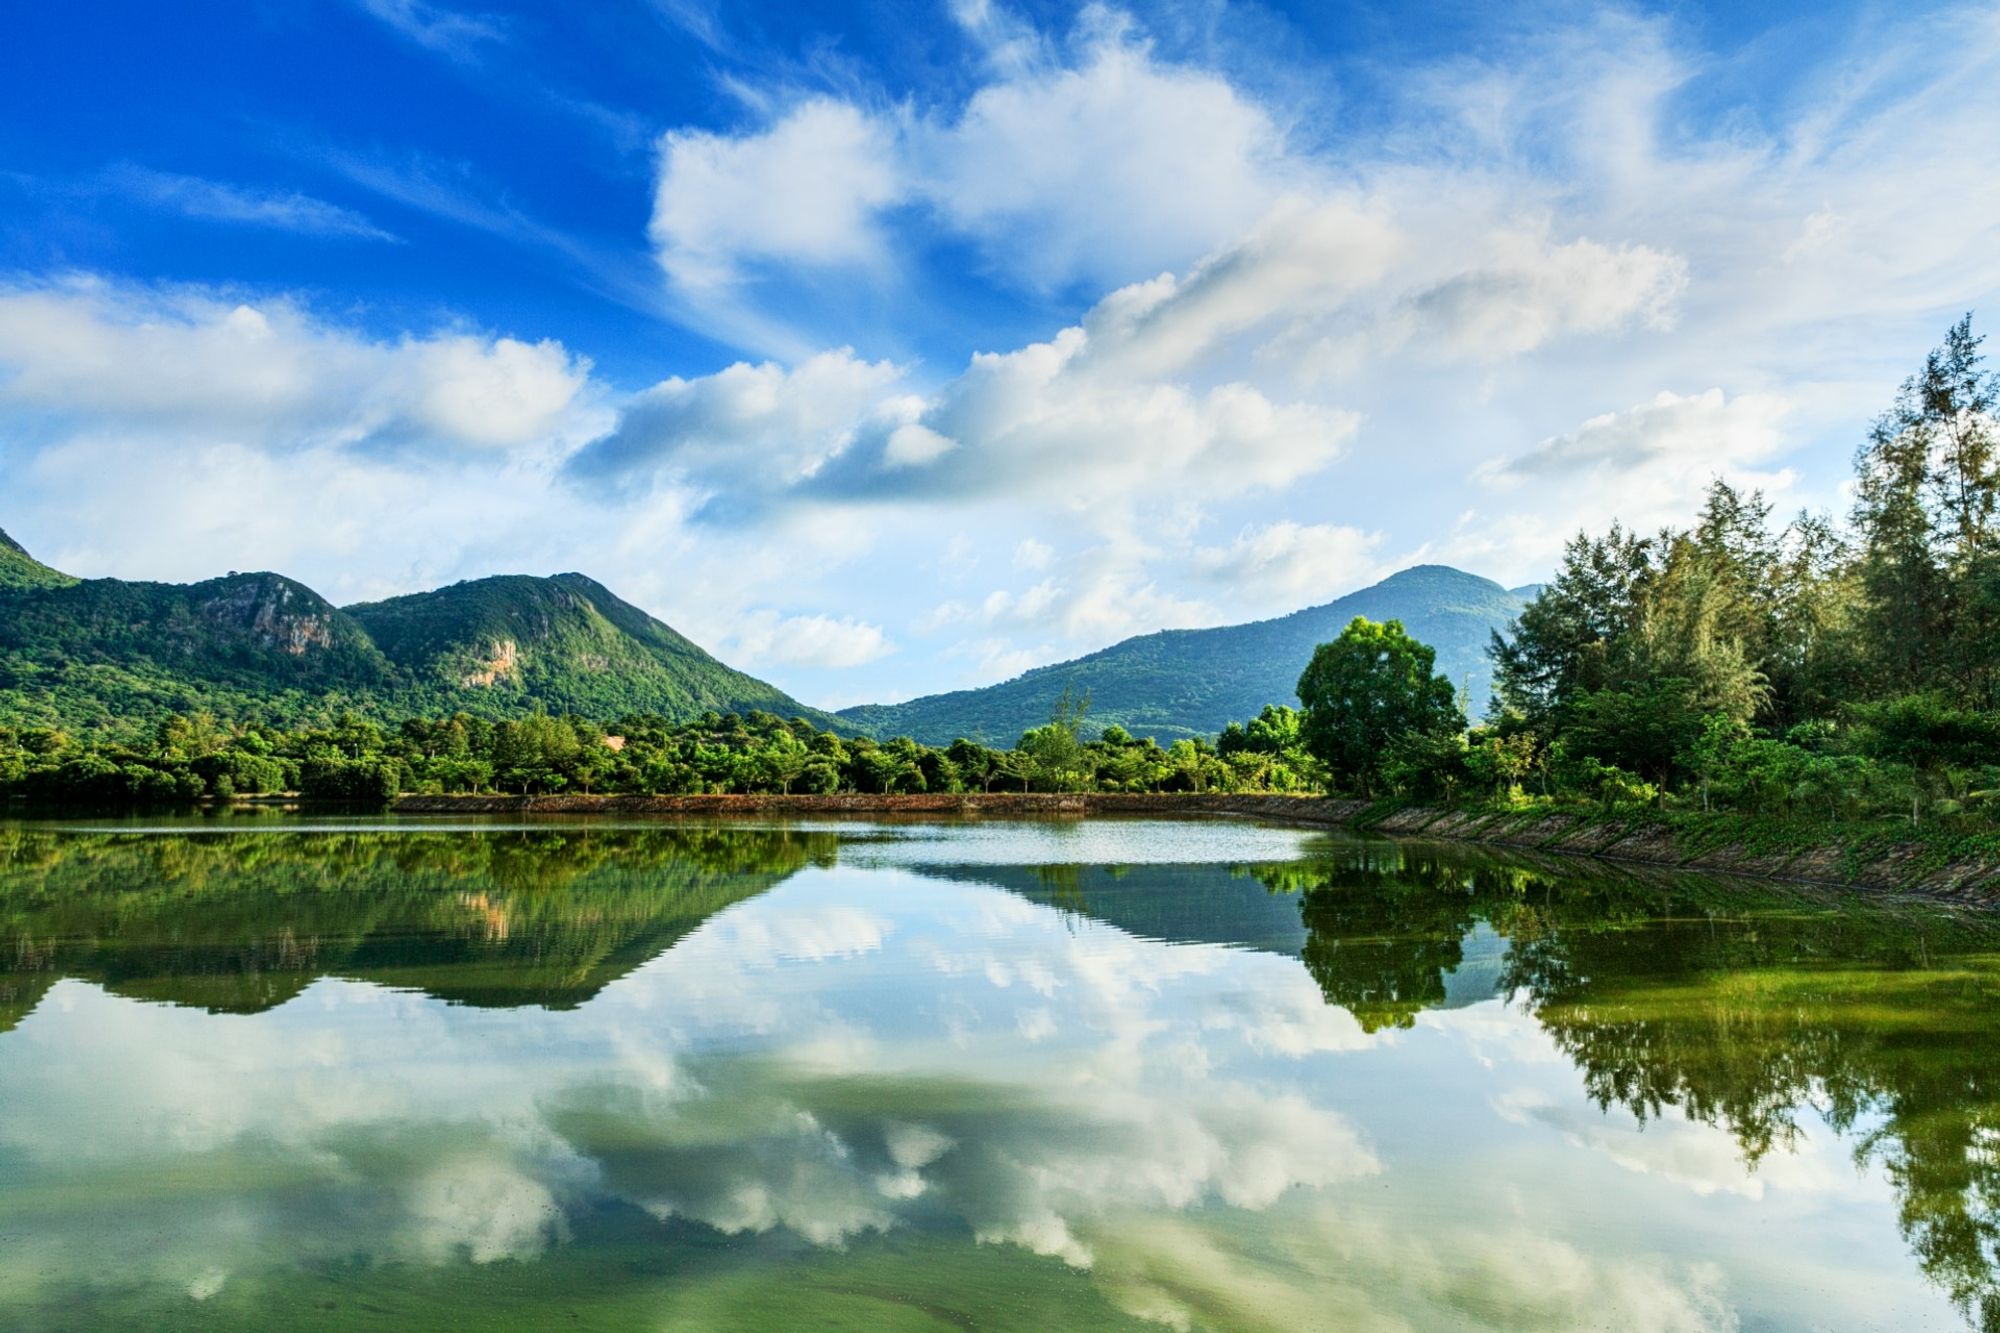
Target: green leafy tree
1372, 685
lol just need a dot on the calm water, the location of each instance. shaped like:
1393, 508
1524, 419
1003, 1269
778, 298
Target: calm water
271, 1074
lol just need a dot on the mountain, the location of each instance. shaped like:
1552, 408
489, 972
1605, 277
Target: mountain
113, 657
565, 642
1178, 683
18, 569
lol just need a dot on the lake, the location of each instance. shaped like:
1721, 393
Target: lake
266, 1072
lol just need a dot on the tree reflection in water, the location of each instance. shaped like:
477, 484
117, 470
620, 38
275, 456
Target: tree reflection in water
241, 924
1739, 1004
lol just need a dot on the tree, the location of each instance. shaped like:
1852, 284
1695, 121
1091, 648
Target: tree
1928, 732
1926, 488
1564, 642
1372, 685
1056, 751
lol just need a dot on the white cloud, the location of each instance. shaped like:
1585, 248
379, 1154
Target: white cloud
1074, 420
1291, 564
764, 637
282, 210
269, 374
806, 190
1034, 556
1102, 594
435, 26
1105, 170
1646, 466
1157, 164
757, 429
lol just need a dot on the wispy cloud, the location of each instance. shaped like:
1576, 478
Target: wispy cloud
452, 192
435, 27
219, 201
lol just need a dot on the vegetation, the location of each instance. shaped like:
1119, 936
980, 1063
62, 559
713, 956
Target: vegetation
1819, 672
1812, 674
243, 924
1188, 684
354, 761
1372, 687
18, 569
112, 659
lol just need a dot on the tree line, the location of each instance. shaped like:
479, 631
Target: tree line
1839, 670
189, 759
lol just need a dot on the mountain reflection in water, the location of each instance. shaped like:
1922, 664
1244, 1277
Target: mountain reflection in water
931, 1075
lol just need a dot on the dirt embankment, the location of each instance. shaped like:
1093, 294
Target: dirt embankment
1904, 868
1897, 868
1019, 805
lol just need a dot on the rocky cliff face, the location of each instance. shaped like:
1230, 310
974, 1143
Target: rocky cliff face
501, 662
272, 612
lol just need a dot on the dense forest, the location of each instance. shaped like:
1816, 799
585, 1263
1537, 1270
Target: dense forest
357, 762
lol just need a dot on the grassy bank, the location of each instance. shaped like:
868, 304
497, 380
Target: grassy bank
1886, 855
1880, 854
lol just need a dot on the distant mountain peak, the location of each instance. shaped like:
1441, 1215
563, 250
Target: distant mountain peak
9, 544
1190, 682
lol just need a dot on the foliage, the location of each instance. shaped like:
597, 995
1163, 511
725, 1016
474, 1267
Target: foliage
1781, 672
1372, 686
18, 569
354, 761
112, 658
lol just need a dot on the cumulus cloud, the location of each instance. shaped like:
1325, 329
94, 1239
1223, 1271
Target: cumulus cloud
1688, 434
1082, 416
758, 428
268, 373
1157, 162
805, 190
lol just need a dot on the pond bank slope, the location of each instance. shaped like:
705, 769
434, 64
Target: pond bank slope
1829, 854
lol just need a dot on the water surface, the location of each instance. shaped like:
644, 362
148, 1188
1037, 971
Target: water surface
279, 1073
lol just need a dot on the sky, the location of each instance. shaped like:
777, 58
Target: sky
898, 347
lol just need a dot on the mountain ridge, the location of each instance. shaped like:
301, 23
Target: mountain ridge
113, 656
1171, 684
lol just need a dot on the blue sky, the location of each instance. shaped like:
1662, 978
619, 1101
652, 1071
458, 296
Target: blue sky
900, 347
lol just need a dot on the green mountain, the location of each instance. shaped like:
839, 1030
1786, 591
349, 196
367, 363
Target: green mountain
18, 569
1180, 683
502, 644
112, 657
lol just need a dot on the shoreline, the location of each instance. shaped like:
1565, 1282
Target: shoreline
1904, 867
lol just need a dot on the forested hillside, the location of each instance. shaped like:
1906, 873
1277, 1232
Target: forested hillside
107, 657
18, 569
567, 643
1186, 683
